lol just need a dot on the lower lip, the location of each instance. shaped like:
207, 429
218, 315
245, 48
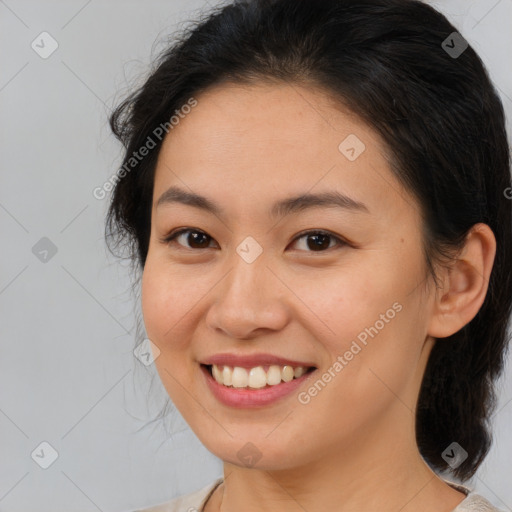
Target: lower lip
245, 397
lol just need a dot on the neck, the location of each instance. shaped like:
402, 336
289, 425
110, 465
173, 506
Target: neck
379, 471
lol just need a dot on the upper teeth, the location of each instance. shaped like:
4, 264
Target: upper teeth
255, 377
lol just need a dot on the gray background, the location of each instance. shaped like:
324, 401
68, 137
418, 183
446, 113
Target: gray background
68, 375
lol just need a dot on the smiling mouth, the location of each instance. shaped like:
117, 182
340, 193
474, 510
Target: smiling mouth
258, 377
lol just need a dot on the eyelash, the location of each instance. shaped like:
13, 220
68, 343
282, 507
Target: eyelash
173, 235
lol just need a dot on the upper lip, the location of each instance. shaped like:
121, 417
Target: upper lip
253, 360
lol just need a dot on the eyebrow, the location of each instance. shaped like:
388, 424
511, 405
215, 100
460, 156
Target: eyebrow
281, 208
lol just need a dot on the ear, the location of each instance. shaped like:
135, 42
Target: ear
464, 283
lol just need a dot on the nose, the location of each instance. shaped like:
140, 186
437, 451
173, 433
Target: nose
249, 301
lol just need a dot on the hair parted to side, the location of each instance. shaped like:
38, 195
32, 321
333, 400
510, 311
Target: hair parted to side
440, 118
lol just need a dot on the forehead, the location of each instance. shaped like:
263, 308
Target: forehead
272, 140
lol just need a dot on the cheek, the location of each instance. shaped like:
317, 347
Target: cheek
342, 303
164, 309
370, 322
165, 298
152, 298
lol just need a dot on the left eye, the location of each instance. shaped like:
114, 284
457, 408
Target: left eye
316, 241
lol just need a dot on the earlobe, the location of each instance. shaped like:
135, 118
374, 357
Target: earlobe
464, 283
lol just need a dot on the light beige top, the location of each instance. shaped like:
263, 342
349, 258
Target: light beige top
194, 502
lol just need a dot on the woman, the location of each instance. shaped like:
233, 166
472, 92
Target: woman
314, 193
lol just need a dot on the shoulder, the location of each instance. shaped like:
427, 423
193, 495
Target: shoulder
192, 502
475, 503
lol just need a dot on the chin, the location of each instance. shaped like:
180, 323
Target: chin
258, 452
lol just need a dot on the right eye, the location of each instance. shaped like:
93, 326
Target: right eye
195, 238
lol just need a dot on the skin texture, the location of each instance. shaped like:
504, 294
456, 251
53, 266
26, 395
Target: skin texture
352, 447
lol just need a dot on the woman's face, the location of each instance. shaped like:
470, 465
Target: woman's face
247, 281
